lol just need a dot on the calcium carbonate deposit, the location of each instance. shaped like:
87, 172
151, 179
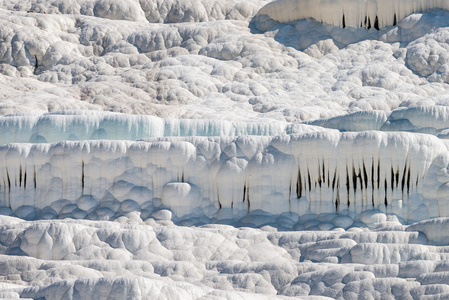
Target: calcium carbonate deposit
237, 149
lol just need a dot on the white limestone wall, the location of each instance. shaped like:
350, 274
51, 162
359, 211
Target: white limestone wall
227, 177
98, 125
351, 13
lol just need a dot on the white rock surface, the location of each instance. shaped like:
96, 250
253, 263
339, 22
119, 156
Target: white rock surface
184, 149
136, 259
352, 13
220, 68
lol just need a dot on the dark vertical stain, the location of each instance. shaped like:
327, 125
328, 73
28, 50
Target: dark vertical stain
9, 181
376, 23
9, 188
319, 173
299, 184
404, 174
395, 21
360, 179
308, 179
219, 203
20, 176
247, 198
82, 177
337, 200
289, 190
36, 65
324, 171
372, 180
354, 179
386, 201
369, 24
397, 177
244, 192
347, 184
365, 175
343, 21
408, 181
334, 179
378, 173
25, 180
182, 176
34, 178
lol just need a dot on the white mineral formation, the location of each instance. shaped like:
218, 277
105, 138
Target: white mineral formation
351, 13
238, 149
227, 178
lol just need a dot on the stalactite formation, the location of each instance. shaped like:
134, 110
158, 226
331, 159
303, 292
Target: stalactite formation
344, 13
331, 176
